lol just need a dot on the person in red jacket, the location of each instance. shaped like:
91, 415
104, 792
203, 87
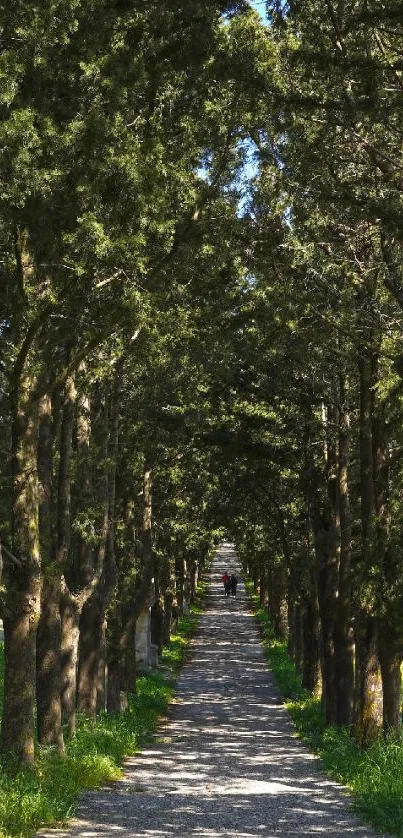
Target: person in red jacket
226, 580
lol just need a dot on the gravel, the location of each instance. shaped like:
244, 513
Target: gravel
227, 762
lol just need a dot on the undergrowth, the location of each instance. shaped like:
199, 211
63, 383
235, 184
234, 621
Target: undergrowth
375, 776
46, 795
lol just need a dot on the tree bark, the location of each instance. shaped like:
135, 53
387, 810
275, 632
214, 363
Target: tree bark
84, 570
390, 656
168, 615
83, 574
161, 581
64, 476
327, 552
180, 573
121, 658
93, 613
91, 635
343, 634
279, 601
70, 610
55, 540
262, 583
127, 609
297, 636
368, 714
367, 722
390, 640
22, 601
193, 573
48, 675
49, 713
102, 679
310, 627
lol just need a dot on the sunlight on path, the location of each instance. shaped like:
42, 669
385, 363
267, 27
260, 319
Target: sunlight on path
226, 764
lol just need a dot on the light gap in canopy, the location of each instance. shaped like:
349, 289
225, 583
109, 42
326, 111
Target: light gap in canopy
260, 7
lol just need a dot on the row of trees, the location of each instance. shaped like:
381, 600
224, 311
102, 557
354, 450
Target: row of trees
201, 327
120, 127
324, 539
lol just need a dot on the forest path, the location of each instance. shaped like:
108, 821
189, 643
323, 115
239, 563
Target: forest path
226, 763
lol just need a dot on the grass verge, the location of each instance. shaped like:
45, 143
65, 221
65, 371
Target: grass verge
375, 776
46, 795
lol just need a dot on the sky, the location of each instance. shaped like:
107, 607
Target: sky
260, 7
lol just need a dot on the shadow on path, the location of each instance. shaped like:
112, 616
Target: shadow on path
226, 764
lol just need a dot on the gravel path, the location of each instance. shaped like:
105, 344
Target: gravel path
226, 764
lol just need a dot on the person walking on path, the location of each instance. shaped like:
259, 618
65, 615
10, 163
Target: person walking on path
234, 583
226, 764
226, 580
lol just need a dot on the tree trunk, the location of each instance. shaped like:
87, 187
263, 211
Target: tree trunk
157, 621
91, 635
310, 667
49, 711
121, 618
131, 664
390, 657
297, 636
255, 574
121, 659
72, 604
84, 570
144, 582
180, 568
390, 643
102, 673
48, 676
55, 542
343, 634
116, 698
93, 613
70, 611
368, 693
187, 594
22, 603
168, 616
64, 476
327, 549
280, 623
171, 600
193, 571
366, 452
368, 687
262, 583
161, 619
127, 609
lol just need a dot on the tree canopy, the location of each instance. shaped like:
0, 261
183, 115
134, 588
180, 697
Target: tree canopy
200, 336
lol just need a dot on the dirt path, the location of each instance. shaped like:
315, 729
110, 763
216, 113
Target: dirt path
227, 763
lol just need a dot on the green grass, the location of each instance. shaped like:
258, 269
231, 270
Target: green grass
47, 794
375, 776
174, 655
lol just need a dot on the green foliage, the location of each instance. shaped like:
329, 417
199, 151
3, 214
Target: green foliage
173, 656
1, 673
375, 776
46, 795
288, 679
282, 665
